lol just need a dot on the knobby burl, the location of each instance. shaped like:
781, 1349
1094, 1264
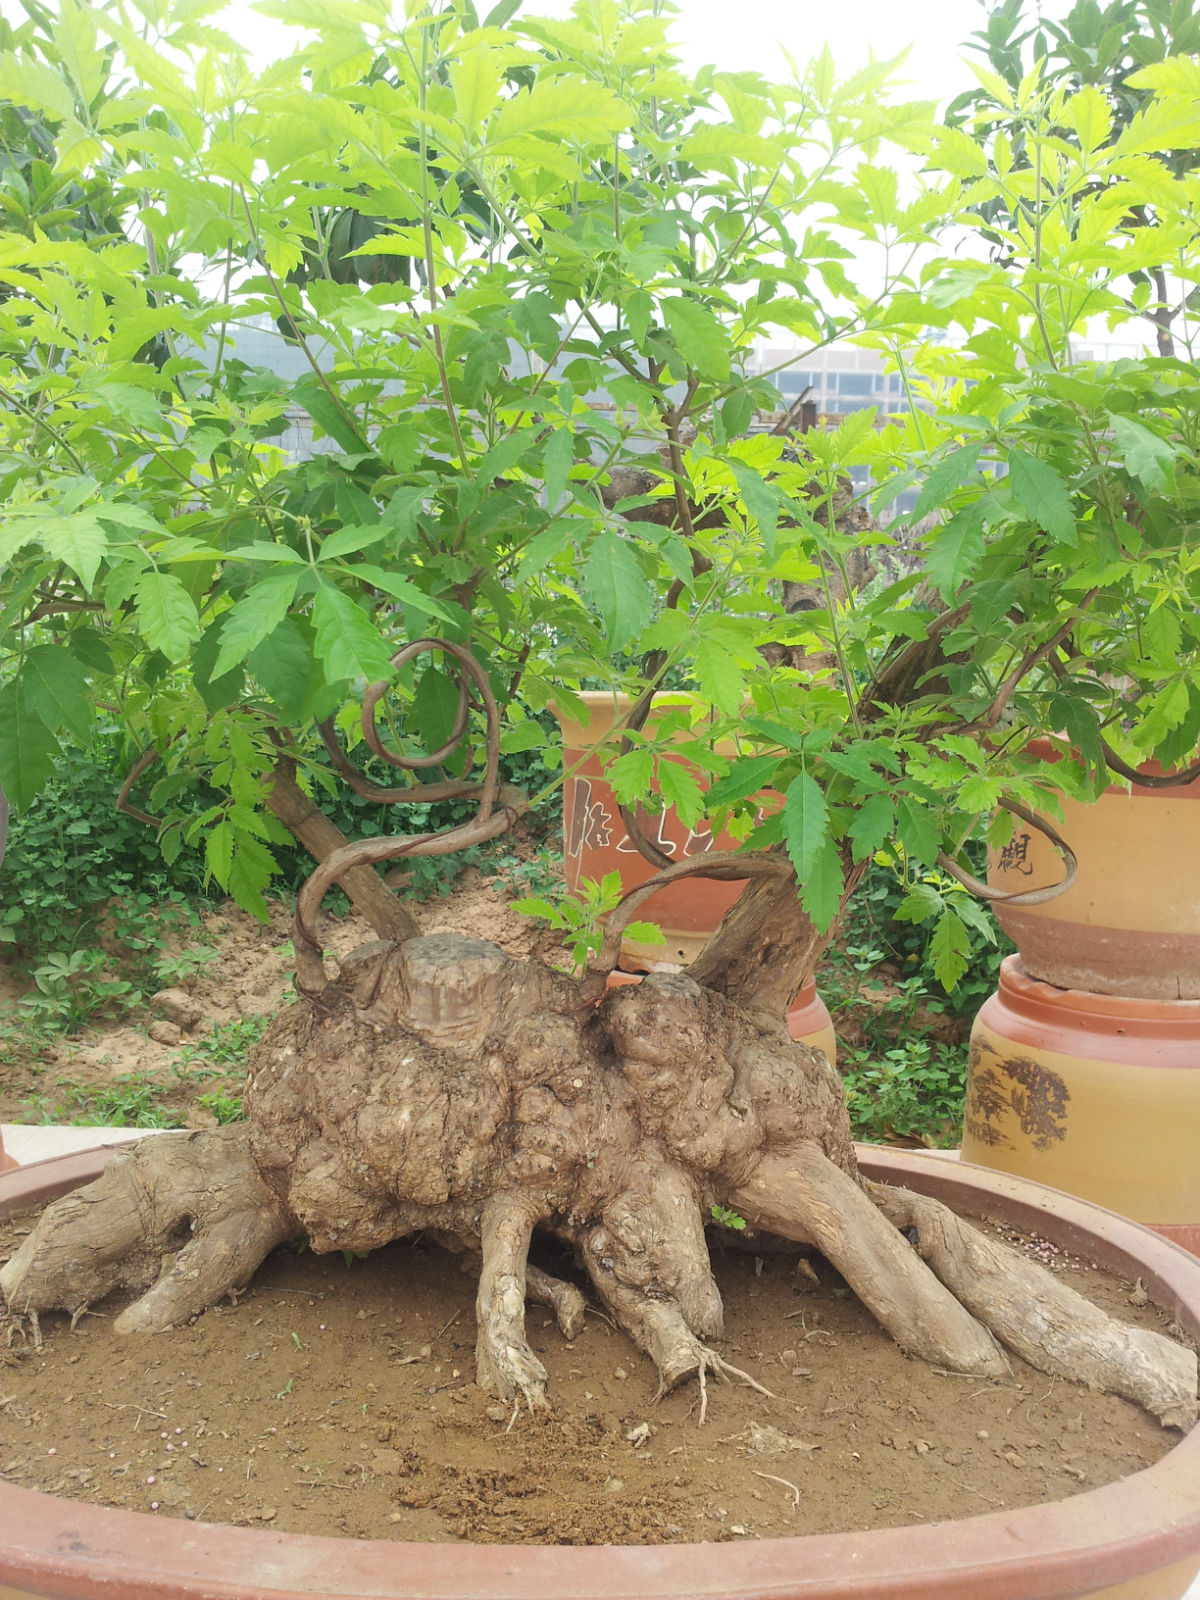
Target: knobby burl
441, 1086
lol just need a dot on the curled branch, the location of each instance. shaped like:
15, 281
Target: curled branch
488, 822
1023, 897
1147, 780
725, 865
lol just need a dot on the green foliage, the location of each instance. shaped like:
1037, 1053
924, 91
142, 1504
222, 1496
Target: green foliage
580, 917
73, 852
913, 1091
226, 1044
725, 1218
71, 990
465, 232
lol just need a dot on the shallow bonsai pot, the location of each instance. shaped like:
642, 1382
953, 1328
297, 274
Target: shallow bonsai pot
1138, 1539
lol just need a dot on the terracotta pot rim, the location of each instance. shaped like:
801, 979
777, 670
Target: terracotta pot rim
1141, 1524
1077, 1008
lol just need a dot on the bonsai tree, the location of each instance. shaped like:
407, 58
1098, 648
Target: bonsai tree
536, 468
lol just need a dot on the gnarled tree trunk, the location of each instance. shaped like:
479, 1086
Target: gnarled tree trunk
440, 1085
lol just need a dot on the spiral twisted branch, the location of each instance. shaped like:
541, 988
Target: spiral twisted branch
497, 807
1022, 897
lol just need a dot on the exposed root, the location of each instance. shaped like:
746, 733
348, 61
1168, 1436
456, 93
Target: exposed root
1044, 1321
443, 1087
184, 1216
564, 1299
803, 1195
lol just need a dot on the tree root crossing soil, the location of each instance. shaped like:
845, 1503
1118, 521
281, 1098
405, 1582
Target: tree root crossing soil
441, 1087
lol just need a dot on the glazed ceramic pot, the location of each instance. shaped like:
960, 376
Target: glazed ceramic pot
1092, 1093
1130, 923
1138, 1539
595, 841
808, 1020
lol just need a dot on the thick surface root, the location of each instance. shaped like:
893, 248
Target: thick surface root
444, 1087
1044, 1321
184, 1216
802, 1195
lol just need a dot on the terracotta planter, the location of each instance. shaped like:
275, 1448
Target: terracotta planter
7, 1162
1130, 924
1138, 1539
1092, 1093
809, 1021
595, 841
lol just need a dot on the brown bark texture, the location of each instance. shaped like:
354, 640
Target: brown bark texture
440, 1085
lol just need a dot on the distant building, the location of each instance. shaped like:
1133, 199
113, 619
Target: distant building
837, 379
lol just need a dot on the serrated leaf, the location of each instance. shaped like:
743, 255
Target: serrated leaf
557, 460
503, 457
872, 825
283, 664
821, 891
255, 617
218, 852
28, 751
544, 546
761, 502
252, 868
644, 933
632, 775
539, 908
1149, 458
918, 832
475, 80
920, 904
91, 650
616, 585
744, 779
347, 540
1042, 496
805, 823
166, 613
720, 678
565, 105
54, 688
978, 793
949, 474
260, 550
702, 340
955, 551
77, 540
950, 948
313, 397
216, 692
400, 589
346, 643
681, 789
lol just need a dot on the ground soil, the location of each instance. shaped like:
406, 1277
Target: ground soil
337, 1398
245, 972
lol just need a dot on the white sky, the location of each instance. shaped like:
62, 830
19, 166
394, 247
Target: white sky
746, 34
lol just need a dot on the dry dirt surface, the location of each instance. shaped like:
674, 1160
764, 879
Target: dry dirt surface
337, 1398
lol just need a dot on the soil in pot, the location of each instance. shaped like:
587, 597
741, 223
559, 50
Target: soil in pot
337, 1398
